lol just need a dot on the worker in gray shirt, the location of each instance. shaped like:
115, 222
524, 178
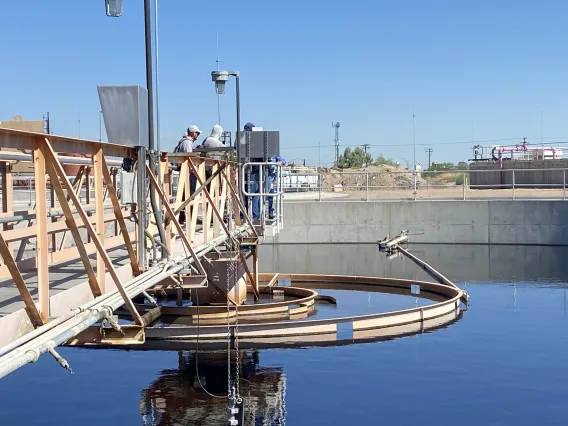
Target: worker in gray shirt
186, 144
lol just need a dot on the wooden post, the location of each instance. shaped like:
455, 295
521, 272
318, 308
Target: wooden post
236, 199
41, 231
7, 193
98, 164
53, 219
204, 200
171, 214
166, 179
255, 271
87, 192
98, 243
31, 308
120, 219
72, 225
114, 173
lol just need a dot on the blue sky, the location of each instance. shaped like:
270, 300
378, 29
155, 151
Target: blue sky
479, 70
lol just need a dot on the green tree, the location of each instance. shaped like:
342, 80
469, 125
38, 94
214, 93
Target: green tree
356, 158
382, 160
438, 167
462, 165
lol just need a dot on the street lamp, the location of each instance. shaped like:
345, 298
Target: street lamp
113, 8
220, 78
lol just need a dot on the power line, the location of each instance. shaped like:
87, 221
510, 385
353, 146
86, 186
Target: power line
427, 144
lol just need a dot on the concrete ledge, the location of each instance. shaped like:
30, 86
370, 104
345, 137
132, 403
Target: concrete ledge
461, 222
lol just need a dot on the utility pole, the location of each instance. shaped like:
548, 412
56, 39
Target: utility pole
157, 77
413, 138
541, 136
100, 126
366, 146
336, 140
47, 124
429, 152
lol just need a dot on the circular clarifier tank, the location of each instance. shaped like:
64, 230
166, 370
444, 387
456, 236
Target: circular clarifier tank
311, 310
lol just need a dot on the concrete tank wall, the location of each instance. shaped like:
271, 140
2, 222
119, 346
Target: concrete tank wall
492, 176
464, 222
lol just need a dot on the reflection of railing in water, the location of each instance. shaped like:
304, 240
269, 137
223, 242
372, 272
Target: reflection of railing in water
176, 396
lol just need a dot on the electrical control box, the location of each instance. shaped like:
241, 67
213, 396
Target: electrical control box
259, 144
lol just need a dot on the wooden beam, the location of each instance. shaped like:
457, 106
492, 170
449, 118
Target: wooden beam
120, 219
65, 255
31, 307
7, 193
255, 271
251, 278
20, 139
41, 231
98, 243
236, 198
98, 165
72, 225
166, 179
77, 185
170, 212
52, 228
200, 180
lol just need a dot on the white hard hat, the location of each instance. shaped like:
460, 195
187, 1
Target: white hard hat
193, 128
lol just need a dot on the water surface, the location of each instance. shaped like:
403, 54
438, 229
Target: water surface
504, 363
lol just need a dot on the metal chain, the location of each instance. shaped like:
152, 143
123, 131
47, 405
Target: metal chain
233, 276
229, 227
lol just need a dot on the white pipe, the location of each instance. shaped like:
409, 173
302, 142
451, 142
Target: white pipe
73, 313
113, 300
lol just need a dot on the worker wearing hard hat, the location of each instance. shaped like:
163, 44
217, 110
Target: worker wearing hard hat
186, 144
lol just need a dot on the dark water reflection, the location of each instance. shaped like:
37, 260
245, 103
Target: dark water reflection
460, 263
177, 397
504, 363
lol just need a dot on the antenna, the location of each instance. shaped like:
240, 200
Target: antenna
218, 95
336, 140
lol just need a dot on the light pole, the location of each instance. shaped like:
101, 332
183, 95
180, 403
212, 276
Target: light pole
220, 78
100, 126
114, 9
414, 150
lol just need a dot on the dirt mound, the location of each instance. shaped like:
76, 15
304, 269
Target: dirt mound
378, 177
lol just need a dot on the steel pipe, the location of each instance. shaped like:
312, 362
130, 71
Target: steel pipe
23, 350
16, 156
56, 213
73, 313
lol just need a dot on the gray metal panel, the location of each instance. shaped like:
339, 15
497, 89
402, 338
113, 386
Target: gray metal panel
125, 113
128, 188
263, 144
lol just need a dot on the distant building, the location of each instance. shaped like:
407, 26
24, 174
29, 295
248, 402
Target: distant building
26, 125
